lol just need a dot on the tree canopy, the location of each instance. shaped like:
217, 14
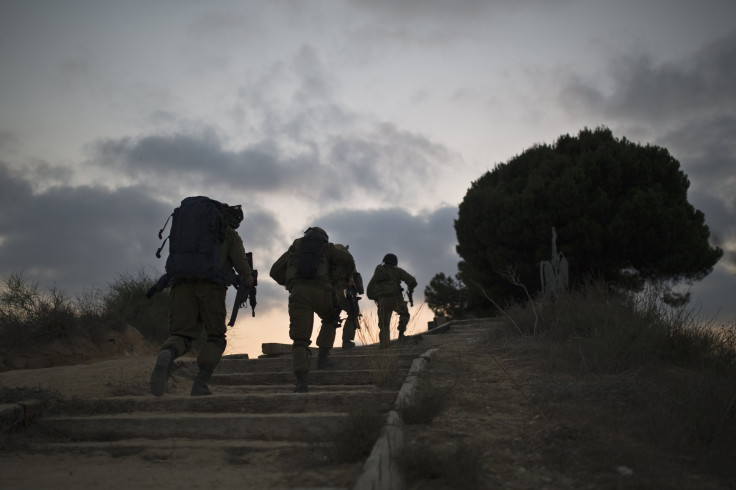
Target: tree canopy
620, 211
446, 296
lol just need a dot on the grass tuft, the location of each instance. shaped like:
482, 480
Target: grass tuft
352, 439
660, 368
30, 316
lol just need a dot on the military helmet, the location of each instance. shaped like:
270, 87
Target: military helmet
390, 259
316, 231
232, 215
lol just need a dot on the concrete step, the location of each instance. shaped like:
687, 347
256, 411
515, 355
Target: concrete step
139, 446
342, 361
267, 427
320, 377
379, 401
288, 388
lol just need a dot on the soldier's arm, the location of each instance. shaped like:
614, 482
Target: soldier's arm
410, 280
236, 254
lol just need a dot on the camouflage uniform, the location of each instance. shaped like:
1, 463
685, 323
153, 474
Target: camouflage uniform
310, 296
385, 289
197, 305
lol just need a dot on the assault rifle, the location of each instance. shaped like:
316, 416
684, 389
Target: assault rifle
351, 294
245, 293
410, 295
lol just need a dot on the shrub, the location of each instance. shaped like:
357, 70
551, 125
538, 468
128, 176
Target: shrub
352, 439
28, 315
607, 331
125, 303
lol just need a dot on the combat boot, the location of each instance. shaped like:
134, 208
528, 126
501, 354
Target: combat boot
302, 385
161, 371
199, 387
403, 339
323, 358
348, 344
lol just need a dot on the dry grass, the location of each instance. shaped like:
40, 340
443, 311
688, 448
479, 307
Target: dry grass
593, 390
351, 440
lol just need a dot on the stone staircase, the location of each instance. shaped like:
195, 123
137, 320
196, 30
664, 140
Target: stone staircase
254, 432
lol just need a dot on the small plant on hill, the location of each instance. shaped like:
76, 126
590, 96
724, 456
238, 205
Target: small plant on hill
352, 439
28, 314
669, 375
384, 363
125, 303
32, 317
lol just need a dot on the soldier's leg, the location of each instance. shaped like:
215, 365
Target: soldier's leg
325, 341
326, 307
301, 322
183, 313
350, 324
183, 319
211, 298
213, 311
348, 332
385, 310
330, 317
404, 316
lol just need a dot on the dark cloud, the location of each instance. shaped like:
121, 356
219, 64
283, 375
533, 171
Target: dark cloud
82, 238
387, 161
643, 90
707, 145
13, 191
195, 157
382, 162
77, 238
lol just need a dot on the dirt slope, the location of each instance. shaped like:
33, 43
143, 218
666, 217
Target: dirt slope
507, 421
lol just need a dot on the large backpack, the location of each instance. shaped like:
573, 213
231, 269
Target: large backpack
197, 232
278, 269
311, 249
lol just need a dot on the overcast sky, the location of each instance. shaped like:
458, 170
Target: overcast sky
367, 118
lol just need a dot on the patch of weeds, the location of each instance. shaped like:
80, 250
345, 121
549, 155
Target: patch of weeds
384, 367
456, 465
352, 439
384, 363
